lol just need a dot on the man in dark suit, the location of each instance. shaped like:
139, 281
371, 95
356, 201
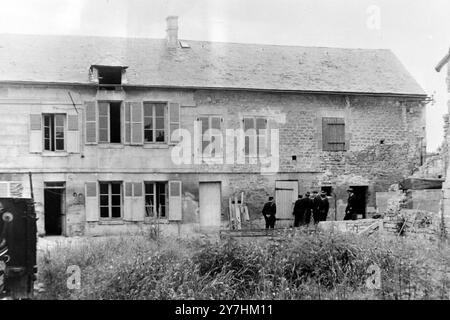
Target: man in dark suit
324, 206
269, 212
299, 211
350, 210
315, 206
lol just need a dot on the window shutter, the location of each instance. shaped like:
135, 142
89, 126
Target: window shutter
137, 119
73, 134
333, 134
91, 122
4, 189
91, 201
128, 202
127, 121
138, 202
35, 133
174, 121
175, 213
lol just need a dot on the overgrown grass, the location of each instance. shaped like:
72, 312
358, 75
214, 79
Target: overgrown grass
304, 266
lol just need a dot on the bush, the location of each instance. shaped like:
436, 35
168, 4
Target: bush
304, 266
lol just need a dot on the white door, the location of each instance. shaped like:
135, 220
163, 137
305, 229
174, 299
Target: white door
210, 204
286, 193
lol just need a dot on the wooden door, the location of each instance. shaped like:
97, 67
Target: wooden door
286, 193
210, 205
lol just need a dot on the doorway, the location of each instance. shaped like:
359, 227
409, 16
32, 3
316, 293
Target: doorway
286, 193
210, 205
361, 193
54, 206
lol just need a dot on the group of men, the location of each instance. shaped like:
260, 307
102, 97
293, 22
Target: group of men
315, 205
311, 204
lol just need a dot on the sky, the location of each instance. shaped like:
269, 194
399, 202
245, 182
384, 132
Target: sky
417, 31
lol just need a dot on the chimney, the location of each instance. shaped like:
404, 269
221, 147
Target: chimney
172, 31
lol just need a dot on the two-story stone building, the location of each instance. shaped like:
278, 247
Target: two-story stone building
95, 122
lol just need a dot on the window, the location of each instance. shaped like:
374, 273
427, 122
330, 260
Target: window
154, 122
211, 131
333, 134
109, 123
54, 132
155, 199
109, 77
255, 129
110, 200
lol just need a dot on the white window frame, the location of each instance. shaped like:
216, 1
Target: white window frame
166, 205
210, 117
52, 137
256, 141
110, 200
122, 120
165, 120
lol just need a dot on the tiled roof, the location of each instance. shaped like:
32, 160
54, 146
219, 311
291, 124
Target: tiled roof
206, 64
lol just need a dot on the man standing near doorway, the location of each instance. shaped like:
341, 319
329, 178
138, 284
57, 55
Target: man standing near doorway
315, 206
269, 211
350, 210
324, 206
299, 211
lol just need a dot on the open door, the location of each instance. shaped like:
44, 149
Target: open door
54, 205
361, 193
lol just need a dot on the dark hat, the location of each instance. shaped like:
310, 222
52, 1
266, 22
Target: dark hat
270, 198
307, 194
315, 191
350, 190
300, 196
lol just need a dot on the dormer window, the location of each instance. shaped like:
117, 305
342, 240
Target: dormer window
109, 76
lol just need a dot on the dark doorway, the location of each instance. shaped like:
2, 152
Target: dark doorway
361, 200
54, 209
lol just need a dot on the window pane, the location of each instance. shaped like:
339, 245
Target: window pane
47, 144
115, 188
104, 212
59, 120
161, 187
205, 124
115, 200
248, 124
103, 200
148, 123
115, 212
59, 144
159, 110
159, 135
103, 108
46, 121
215, 123
59, 132
159, 123
103, 122
148, 135
148, 110
103, 135
148, 188
103, 188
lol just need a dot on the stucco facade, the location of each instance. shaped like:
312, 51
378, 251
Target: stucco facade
385, 136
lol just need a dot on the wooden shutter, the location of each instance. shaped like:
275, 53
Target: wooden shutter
175, 213
73, 134
138, 202
91, 122
333, 134
91, 201
35, 133
128, 202
127, 122
137, 120
174, 121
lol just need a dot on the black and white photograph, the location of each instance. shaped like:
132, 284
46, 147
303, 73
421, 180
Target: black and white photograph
240, 152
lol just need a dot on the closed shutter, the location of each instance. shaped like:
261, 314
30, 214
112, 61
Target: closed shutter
175, 213
333, 134
91, 201
138, 202
127, 122
4, 189
91, 122
137, 128
174, 122
128, 202
35, 133
73, 134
